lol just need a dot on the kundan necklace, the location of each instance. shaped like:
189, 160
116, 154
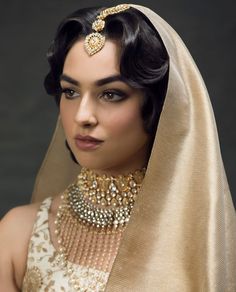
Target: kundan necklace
92, 216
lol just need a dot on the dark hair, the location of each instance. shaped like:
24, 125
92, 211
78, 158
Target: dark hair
144, 61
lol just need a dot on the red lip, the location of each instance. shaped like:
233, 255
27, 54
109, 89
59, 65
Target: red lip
87, 138
87, 142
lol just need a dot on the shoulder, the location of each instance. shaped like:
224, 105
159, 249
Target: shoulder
19, 213
15, 231
17, 221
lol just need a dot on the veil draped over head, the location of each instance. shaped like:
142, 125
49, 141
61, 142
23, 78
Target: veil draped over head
182, 233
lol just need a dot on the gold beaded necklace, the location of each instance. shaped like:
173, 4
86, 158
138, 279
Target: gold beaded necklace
92, 217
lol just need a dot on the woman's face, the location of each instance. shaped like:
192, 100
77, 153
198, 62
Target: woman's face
95, 102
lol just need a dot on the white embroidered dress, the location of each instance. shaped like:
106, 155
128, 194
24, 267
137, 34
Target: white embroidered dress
44, 274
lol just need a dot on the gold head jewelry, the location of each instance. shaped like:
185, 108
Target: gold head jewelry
95, 41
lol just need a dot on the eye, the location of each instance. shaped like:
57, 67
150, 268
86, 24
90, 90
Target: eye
113, 95
69, 93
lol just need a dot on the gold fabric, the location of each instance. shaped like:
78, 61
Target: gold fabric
182, 233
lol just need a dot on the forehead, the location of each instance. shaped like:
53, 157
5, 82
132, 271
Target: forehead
79, 65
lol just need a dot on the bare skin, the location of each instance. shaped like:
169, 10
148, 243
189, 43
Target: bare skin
15, 232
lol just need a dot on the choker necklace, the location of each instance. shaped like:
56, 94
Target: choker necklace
101, 201
94, 212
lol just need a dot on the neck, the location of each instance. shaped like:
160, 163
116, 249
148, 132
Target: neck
110, 172
123, 169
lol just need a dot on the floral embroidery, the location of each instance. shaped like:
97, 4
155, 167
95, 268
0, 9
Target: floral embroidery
32, 280
43, 274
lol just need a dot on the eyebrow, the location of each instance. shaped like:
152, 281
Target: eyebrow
99, 82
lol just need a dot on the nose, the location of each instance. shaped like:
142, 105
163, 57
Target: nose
86, 112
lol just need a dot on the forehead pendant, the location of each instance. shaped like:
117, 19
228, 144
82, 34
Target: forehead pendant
95, 41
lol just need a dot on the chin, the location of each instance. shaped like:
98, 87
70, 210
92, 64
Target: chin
98, 165
91, 163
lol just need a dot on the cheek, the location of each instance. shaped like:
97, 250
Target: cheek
67, 114
125, 122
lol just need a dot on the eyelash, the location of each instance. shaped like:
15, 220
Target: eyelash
68, 92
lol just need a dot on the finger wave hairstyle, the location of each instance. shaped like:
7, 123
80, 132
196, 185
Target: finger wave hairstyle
144, 61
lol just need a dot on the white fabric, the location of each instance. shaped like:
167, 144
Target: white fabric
42, 259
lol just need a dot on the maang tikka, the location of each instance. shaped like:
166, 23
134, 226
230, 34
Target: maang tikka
95, 41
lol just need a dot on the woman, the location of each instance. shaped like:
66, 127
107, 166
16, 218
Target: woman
150, 209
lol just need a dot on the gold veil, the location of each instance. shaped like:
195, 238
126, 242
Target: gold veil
182, 233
